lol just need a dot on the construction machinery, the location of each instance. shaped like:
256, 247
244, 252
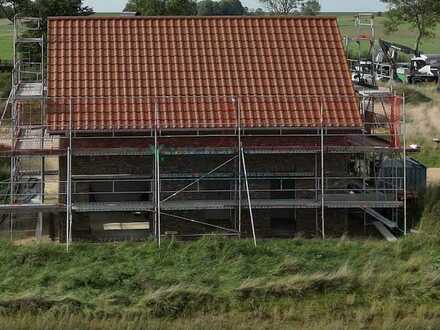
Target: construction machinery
421, 68
381, 62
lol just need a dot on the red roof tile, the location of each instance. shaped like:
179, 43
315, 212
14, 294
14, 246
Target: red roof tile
280, 68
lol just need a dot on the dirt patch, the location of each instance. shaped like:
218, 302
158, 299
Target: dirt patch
433, 176
423, 121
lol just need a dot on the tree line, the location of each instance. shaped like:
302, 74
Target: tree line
45, 8
220, 7
422, 15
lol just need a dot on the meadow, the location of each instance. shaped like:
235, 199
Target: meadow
406, 35
227, 284
6, 44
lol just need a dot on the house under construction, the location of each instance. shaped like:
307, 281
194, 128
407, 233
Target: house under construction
143, 127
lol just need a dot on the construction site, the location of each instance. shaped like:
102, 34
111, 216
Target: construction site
134, 128
378, 60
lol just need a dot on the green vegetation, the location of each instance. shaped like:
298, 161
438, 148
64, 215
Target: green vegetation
5, 39
423, 120
5, 87
406, 34
422, 15
227, 284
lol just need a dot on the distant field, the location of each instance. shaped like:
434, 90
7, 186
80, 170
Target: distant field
406, 34
5, 39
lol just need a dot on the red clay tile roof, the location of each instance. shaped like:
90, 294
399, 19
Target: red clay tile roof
281, 69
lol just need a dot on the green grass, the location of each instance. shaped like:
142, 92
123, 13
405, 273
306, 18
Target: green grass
5, 86
406, 34
5, 39
423, 120
226, 284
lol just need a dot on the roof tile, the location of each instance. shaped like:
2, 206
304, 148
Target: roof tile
281, 69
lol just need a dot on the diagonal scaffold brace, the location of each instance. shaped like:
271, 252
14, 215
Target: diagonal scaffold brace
248, 194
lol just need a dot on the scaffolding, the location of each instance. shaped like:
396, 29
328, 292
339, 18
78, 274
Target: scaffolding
368, 70
226, 179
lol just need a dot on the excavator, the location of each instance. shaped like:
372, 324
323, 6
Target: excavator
421, 68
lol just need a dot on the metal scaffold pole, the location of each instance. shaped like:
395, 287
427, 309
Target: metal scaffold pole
315, 172
13, 165
157, 174
39, 229
239, 186
69, 182
322, 175
68, 198
405, 227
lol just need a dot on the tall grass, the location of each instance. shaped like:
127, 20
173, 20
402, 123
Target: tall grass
423, 120
226, 284
5, 87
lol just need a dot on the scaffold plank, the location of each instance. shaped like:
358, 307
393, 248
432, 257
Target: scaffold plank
384, 231
29, 91
380, 217
30, 208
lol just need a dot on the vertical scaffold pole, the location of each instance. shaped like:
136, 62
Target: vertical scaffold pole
251, 215
316, 193
405, 227
237, 103
157, 173
322, 174
153, 181
68, 197
43, 158
39, 229
69, 182
13, 164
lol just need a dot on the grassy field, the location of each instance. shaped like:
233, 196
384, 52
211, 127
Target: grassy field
5, 39
423, 121
406, 34
227, 284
